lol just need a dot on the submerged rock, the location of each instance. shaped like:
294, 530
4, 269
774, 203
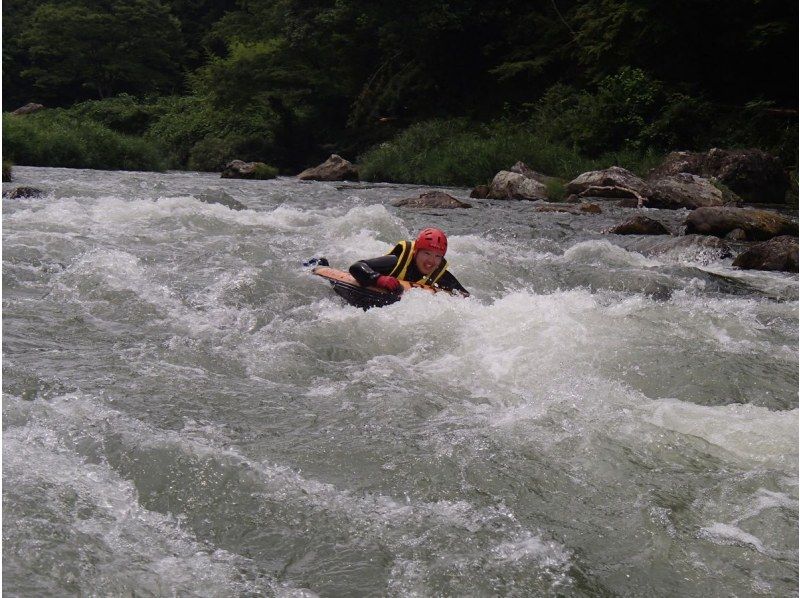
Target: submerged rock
690, 244
639, 225
777, 254
219, 196
432, 199
480, 192
334, 168
757, 225
582, 208
23, 192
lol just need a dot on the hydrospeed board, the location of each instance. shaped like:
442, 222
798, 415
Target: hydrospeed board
365, 297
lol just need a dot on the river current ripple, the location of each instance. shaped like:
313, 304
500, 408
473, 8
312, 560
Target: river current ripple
187, 412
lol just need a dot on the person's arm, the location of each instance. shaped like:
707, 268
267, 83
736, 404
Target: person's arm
450, 283
366, 272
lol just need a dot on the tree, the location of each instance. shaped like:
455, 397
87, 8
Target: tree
95, 50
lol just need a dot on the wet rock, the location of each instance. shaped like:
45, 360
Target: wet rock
28, 108
752, 174
612, 183
512, 185
757, 225
684, 190
480, 192
238, 169
432, 199
23, 192
528, 173
737, 235
698, 247
583, 208
639, 225
334, 168
219, 196
777, 254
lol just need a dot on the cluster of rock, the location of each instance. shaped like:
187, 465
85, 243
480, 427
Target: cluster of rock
712, 185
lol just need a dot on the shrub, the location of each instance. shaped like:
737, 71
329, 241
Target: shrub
458, 153
210, 154
201, 137
555, 190
123, 113
180, 123
54, 138
6, 171
265, 171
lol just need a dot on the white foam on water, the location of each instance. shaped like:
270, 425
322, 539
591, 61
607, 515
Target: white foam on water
604, 253
130, 548
752, 433
99, 272
728, 535
399, 525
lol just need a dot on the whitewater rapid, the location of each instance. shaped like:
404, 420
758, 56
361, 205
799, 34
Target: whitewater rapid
187, 411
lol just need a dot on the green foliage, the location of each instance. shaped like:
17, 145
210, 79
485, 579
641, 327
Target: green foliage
201, 137
181, 122
7, 171
99, 49
556, 190
617, 114
123, 113
288, 81
458, 153
54, 138
265, 171
210, 154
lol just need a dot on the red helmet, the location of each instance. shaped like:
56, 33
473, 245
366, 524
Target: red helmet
432, 239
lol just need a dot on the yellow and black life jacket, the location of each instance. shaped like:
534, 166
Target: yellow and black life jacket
404, 251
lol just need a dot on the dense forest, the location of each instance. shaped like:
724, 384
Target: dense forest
470, 84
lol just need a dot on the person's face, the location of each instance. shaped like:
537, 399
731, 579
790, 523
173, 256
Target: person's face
427, 260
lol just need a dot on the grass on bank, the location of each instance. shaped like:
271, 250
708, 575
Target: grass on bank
55, 138
457, 153
7, 171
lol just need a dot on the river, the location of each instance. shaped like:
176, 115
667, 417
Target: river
188, 412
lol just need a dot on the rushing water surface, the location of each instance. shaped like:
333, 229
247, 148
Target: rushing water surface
188, 412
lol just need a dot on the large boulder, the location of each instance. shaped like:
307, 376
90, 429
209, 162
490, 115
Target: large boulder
432, 199
779, 254
526, 171
684, 190
613, 183
334, 168
757, 225
752, 174
639, 225
513, 185
28, 108
238, 169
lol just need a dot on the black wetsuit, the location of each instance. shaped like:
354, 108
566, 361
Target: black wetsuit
366, 272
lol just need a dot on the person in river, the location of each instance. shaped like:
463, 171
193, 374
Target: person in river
421, 261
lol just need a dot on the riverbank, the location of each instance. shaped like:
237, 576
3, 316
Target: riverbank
563, 135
